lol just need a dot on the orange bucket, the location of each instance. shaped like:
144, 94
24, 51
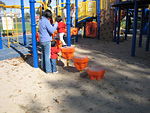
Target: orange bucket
67, 52
95, 73
80, 62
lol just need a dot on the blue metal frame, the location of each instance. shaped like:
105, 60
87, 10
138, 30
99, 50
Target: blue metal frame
33, 29
141, 27
62, 5
56, 8
127, 21
148, 34
118, 32
115, 24
23, 23
68, 23
76, 2
98, 23
134, 28
1, 45
84, 35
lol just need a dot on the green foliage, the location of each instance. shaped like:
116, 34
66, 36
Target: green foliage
27, 15
37, 12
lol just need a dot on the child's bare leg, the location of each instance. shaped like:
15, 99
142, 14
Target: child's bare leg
61, 35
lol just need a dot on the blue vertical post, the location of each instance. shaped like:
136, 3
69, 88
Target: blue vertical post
127, 21
98, 23
23, 23
56, 9
1, 46
134, 28
33, 29
141, 27
68, 23
118, 32
115, 24
84, 35
62, 5
148, 33
76, 2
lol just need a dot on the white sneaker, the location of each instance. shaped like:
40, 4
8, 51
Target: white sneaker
55, 72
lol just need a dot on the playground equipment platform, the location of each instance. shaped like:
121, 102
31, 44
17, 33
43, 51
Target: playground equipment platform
130, 4
14, 50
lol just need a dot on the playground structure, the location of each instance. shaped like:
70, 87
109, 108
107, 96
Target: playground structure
135, 5
9, 20
84, 11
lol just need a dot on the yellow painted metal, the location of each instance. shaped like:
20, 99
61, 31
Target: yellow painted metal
6, 26
67, 63
16, 27
54, 16
11, 29
41, 7
46, 4
15, 6
59, 55
74, 15
82, 32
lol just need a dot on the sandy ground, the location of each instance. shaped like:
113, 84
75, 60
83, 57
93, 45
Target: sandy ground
124, 89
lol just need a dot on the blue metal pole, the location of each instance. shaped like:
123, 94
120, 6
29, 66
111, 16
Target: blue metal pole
1, 45
148, 34
134, 28
33, 28
56, 9
62, 5
76, 2
142, 25
98, 23
23, 23
118, 32
127, 21
68, 23
84, 35
115, 24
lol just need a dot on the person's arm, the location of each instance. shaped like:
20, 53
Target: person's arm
57, 50
65, 25
51, 28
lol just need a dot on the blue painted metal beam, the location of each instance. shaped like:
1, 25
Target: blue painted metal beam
23, 23
56, 9
76, 3
62, 5
115, 24
84, 34
98, 23
118, 32
141, 27
1, 45
148, 34
127, 21
33, 28
68, 23
134, 28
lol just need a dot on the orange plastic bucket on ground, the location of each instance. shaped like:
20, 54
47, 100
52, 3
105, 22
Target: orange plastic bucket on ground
80, 62
96, 73
67, 52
